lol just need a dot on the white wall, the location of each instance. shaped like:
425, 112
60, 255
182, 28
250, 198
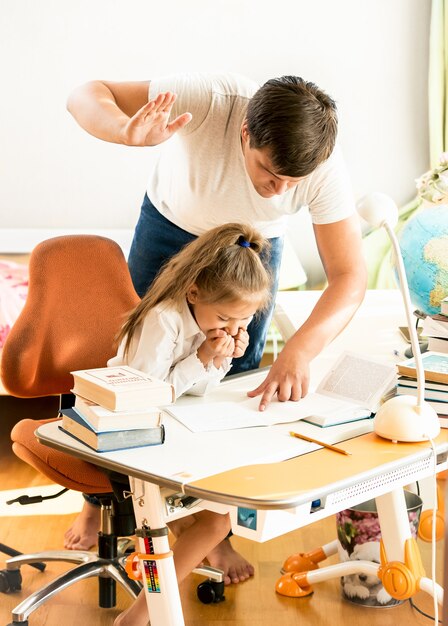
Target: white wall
370, 55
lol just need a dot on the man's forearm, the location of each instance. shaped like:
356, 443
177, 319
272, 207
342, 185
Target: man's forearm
94, 107
331, 314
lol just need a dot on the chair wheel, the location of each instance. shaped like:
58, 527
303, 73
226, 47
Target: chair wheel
10, 580
210, 591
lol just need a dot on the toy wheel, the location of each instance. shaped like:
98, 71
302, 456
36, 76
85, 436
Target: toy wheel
10, 580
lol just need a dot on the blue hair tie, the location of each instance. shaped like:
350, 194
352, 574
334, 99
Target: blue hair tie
243, 242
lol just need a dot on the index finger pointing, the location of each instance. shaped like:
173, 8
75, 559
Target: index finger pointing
267, 396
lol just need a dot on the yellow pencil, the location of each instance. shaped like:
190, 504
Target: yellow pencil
320, 443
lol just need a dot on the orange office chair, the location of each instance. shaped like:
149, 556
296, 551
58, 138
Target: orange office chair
79, 293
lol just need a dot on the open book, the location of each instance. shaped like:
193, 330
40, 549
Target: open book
350, 391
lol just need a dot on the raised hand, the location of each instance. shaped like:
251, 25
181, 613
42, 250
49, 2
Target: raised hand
149, 126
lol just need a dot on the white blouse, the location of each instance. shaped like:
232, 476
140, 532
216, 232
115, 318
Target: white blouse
165, 346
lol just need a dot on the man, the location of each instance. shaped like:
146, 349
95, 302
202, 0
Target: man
233, 152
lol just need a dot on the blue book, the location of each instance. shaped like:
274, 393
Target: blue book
106, 441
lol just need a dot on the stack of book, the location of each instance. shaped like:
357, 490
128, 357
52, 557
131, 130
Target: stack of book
435, 327
117, 408
435, 365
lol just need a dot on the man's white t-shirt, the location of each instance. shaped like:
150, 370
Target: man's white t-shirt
199, 180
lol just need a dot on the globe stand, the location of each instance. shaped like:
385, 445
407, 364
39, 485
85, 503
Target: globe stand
422, 343
423, 347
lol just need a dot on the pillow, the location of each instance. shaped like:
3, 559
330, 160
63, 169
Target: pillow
13, 292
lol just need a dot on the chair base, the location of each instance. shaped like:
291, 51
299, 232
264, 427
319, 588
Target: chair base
12, 552
108, 570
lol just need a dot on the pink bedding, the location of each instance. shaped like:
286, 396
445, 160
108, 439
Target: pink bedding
13, 292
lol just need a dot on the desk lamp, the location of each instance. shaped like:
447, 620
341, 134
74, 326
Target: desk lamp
402, 418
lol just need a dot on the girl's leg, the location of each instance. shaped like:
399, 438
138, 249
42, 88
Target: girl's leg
235, 567
196, 540
83, 533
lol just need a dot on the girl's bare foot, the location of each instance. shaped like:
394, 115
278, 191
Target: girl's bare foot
83, 534
236, 568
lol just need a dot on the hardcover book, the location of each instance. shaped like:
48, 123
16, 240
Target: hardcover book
429, 384
435, 365
430, 395
122, 388
103, 419
106, 441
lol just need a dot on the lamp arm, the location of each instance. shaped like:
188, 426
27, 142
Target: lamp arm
404, 288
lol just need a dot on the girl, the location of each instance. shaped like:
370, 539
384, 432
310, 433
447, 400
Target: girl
193, 319
186, 330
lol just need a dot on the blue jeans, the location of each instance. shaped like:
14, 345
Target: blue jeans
156, 240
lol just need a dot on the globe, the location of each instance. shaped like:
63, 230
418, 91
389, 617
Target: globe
424, 246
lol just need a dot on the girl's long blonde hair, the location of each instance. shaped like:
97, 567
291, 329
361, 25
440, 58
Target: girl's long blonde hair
225, 265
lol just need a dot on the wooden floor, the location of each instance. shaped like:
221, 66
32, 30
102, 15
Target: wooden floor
250, 604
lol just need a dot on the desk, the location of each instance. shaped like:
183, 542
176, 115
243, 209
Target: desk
279, 495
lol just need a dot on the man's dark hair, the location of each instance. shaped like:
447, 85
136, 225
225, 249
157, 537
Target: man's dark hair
296, 121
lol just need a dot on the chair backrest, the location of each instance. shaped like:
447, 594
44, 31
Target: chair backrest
79, 294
